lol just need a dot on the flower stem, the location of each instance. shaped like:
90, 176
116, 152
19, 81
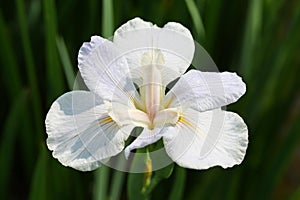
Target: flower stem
117, 181
101, 183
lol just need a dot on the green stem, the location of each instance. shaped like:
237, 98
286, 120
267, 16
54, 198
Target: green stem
101, 183
179, 183
196, 18
107, 18
65, 59
117, 183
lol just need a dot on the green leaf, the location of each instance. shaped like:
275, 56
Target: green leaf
295, 195
205, 182
8, 141
179, 184
281, 161
158, 176
54, 74
39, 181
136, 181
117, 184
31, 69
101, 183
93, 16
140, 185
197, 20
13, 83
118, 179
65, 59
9, 61
107, 18
212, 21
252, 33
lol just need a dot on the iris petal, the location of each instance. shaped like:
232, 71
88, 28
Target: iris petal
82, 138
204, 91
205, 139
144, 139
137, 38
105, 71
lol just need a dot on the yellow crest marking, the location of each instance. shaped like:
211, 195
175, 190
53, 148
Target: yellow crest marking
105, 120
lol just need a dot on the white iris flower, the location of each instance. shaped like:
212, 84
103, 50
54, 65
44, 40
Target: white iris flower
85, 128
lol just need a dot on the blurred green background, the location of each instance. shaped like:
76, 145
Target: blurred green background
260, 39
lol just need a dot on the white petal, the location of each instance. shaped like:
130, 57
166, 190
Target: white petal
80, 132
105, 71
138, 38
124, 116
166, 117
203, 140
147, 137
205, 90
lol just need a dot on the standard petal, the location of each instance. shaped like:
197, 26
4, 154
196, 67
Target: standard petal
172, 48
203, 140
205, 90
81, 134
105, 71
147, 137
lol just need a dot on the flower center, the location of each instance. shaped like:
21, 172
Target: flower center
152, 90
150, 113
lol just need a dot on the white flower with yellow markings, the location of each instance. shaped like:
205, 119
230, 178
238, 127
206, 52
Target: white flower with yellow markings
128, 81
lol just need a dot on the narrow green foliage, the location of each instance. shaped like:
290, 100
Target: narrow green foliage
14, 85
101, 183
54, 72
159, 176
31, 69
117, 185
66, 63
39, 181
107, 18
207, 179
136, 181
94, 18
8, 61
179, 184
8, 140
212, 15
197, 20
251, 36
295, 195
282, 159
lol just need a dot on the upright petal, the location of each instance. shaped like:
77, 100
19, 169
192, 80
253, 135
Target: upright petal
81, 134
105, 71
205, 90
173, 45
204, 140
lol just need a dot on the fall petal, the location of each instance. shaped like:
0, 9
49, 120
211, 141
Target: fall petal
203, 140
82, 138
